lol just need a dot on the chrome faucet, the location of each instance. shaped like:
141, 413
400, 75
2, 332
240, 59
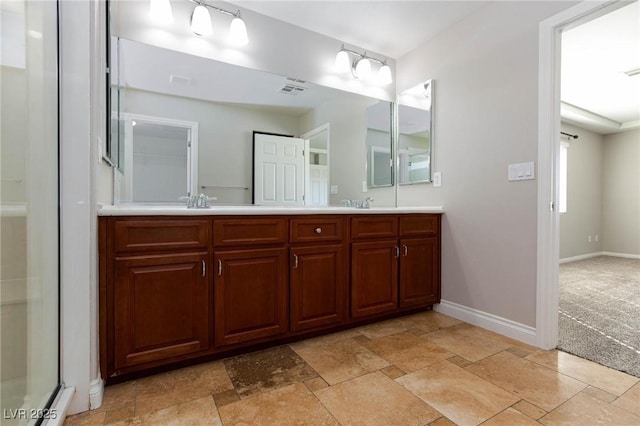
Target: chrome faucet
358, 204
200, 201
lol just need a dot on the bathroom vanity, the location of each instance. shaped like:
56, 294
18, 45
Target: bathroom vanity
181, 284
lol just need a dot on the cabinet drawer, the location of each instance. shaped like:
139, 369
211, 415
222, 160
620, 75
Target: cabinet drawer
316, 229
419, 225
160, 234
249, 231
379, 226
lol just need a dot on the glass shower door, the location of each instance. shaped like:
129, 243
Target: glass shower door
29, 248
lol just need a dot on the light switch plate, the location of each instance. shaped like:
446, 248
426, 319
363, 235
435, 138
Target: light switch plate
334, 189
437, 179
521, 171
365, 188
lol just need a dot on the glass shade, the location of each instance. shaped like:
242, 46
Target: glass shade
384, 75
343, 64
201, 21
238, 32
363, 69
160, 11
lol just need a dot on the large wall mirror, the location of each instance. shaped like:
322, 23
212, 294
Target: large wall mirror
415, 134
191, 121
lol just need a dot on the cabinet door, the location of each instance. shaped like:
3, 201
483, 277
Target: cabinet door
250, 295
374, 277
161, 307
317, 286
419, 272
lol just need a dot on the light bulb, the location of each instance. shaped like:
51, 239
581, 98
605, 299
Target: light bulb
384, 75
160, 11
343, 64
238, 32
201, 21
363, 68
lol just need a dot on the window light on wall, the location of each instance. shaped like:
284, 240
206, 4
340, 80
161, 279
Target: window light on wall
563, 177
161, 11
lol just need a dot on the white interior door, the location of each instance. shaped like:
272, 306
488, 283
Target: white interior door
278, 170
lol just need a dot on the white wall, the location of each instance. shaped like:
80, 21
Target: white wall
621, 193
603, 194
486, 101
584, 194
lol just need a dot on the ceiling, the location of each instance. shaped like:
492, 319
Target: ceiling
392, 28
596, 92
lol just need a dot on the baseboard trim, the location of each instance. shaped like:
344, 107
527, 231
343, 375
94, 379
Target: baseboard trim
581, 257
625, 255
61, 406
600, 253
515, 330
96, 393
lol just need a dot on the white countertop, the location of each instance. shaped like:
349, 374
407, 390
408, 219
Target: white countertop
168, 210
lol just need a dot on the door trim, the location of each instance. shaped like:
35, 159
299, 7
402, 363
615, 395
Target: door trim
548, 240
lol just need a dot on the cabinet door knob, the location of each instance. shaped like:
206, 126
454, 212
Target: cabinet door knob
397, 251
219, 267
406, 249
318, 230
204, 268
295, 261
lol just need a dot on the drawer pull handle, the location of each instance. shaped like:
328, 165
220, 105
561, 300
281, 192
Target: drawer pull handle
318, 230
397, 251
295, 261
219, 267
406, 249
204, 268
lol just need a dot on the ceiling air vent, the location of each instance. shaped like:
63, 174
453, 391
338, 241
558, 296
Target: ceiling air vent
180, 79
293, 86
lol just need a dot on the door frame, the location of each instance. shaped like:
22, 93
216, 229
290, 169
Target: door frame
307, 175
126, 176
548, 244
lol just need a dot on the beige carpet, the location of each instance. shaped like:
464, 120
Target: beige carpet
600, 311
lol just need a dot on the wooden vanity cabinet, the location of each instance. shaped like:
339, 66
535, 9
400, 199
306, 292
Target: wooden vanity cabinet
419, 245
162, 307
157, 303
395, 263
318, 274
251, 279
374, 265
178, 288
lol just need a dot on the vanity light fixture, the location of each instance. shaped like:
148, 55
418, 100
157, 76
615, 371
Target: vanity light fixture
201, 23
161, 12
360, 67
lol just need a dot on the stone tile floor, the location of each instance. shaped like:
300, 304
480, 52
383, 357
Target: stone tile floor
423, 369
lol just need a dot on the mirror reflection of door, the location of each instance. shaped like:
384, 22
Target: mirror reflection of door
278, 175
317, 166
160, 161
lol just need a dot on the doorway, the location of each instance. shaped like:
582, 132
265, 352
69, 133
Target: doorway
160, 161
316, 171
549, 168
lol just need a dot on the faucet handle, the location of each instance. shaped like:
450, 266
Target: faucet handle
190, 199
